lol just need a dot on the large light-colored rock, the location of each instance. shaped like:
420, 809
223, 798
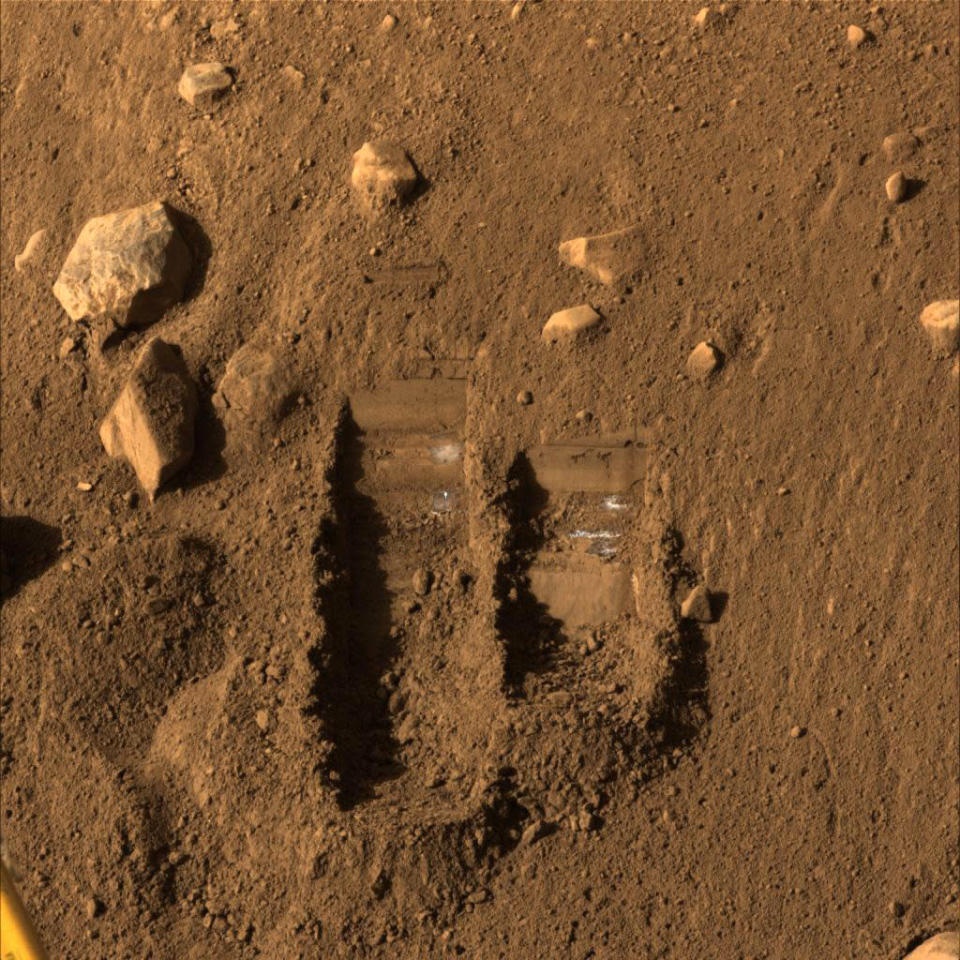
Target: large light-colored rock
944, 946
255, 385
607, 256
382, 174
900, 146
202, 84
941, 320
151, 424
570, 323
129, 266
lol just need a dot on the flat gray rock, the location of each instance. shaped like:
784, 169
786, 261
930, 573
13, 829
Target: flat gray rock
151, 424
128, 266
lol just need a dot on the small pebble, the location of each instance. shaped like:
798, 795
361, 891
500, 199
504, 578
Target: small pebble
697, 605
796, 732
524, 398
31, 251
388, 23
67, 346
203, 83
570, 323
84, 486
703, 360
93, 908
422, 581
900, 146
262, 719
855, 35
896, 187
941, 321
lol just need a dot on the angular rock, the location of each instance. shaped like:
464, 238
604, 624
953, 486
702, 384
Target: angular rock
900, 146
255, 385
31, 251
705, 17
570, 323
943, 946
896, 187
151, 424
703, 360
202, 84
941, 320
697, 605
128, 266
607, 256
382, 174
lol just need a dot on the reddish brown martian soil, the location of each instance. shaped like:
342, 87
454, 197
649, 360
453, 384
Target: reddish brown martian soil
403, 663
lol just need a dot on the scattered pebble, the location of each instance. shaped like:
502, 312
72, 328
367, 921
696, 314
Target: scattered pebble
422, 581
202, 84
703, 360
524, 398
67, 346
941, 320
796, 732
118, 259
570, 322
943, 946
93, 908
296, 78
606, 256
382, 174
533, 832
31, 250
705, 17
388, 23
896, 187
855, 35
900, 146
84, 486
262, 720
517, 9
151, 424
696, 606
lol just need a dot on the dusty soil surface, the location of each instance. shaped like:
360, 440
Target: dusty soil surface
397, 668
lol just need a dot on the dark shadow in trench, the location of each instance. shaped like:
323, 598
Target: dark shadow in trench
531, 637
359, 648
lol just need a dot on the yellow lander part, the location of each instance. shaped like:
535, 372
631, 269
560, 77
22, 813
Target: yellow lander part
18, 939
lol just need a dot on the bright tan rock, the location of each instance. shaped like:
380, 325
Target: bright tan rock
255, 385
128, 266
151, 424
607, 256
570, 323
696, 606
382, 174
855, 35
943, 946
703, 360
896, 187
941, 320
202, 84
